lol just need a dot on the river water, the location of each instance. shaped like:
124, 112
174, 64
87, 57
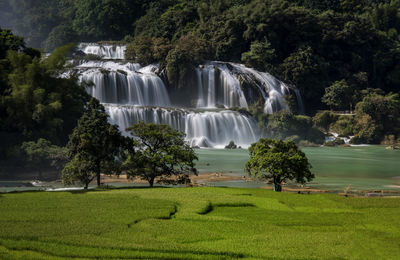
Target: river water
335, 168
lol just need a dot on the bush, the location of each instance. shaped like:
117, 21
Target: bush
344, 126
324, 120
284, 124
336, 142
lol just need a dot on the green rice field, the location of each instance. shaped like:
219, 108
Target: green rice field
197, 223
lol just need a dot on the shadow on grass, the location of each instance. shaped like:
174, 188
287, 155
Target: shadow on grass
110, 188
210, 207
243, 194
169, 217
204, 254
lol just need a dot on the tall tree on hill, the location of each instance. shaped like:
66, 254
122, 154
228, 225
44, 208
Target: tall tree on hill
94, 147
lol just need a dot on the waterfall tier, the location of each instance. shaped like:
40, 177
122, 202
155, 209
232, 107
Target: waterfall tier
202, 128
235, 85
105, 51
217, 85
132, 93
124, 83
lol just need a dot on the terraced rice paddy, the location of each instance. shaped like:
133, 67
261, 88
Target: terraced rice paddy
197, 223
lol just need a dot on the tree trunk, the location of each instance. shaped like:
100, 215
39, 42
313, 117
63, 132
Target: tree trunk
98, 175
277, 187
151, 182
86, 185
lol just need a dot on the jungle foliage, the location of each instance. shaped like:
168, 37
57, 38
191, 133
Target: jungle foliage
34, 101
334, 51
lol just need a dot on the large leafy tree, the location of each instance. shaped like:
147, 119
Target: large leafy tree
278, 161
162, 153
94, 147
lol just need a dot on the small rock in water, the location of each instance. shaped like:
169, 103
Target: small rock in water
231, 145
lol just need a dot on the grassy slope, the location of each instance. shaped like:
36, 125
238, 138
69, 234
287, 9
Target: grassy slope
205, 223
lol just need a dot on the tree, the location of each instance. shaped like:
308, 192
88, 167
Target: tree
162, 153
42, 154
338, 95
260, 56
278, 161
94, 147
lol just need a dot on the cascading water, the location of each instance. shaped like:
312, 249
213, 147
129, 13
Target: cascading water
131, 93
124, 83
213, 77
202, 128
105, 51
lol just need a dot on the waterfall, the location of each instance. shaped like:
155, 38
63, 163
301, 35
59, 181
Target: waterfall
124, 83
272, 90
203, 129
106, 51
221, 86
299, 101
131, 93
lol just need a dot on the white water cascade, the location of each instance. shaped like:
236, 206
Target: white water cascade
218, 86
105, 51
131, 93
219, 83
202, 128
124, 83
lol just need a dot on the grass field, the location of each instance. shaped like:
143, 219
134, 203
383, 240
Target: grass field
197, 223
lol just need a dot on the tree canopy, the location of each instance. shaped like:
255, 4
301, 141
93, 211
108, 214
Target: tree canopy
95, 146
278, 161
162, 155
34, 101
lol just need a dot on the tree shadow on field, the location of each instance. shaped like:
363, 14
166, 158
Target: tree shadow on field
110, 188
139, 188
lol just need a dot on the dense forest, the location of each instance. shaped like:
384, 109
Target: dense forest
340, 54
